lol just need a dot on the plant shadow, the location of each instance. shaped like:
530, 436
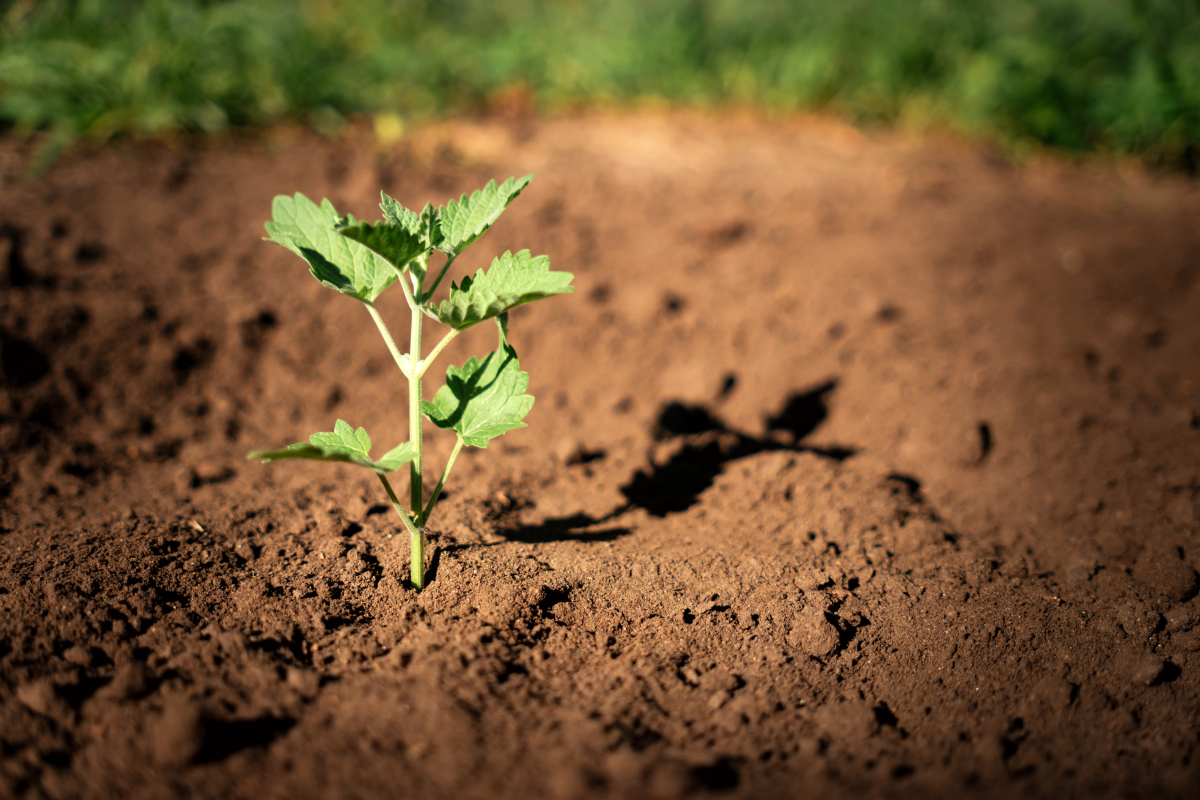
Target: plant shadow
706, 444
560, 529
566, 529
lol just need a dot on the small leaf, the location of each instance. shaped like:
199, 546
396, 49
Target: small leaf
426, 225
388, 241
512, 280
483, 399
398, 215
343, 444
356, 443
307, 230
398, 456
429, 226
465, 221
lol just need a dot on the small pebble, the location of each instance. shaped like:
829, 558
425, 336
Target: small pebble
1182, 617
305, 682
1161, 569
355, 564
1145, 668
812, 633
1136, 619
39, 697
567, 449
80, 656
131, 681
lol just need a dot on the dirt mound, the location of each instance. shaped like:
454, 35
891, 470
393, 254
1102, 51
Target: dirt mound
867, 465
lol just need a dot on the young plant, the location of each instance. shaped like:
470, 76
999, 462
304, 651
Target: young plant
482, 399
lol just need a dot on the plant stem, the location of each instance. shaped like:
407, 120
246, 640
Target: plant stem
396, 502
437, 490
425, 362
417, 496
417, 570
438, 280
387, 337
408, 294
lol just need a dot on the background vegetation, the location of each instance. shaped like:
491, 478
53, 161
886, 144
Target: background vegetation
1111, 75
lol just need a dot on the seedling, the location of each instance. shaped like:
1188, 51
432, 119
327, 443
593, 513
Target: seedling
482, 399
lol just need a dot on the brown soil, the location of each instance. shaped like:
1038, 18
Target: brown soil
860, 465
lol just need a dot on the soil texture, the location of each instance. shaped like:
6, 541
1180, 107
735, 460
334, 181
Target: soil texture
861, 465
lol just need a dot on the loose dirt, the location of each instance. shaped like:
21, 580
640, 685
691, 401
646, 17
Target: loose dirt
861, 465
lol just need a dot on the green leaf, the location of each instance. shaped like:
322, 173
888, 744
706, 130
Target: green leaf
466, 220
483, 400
512, 280
343, 437
391, 242
307, 230
426, 225
397, 214
398, 456
343, 444
429, 226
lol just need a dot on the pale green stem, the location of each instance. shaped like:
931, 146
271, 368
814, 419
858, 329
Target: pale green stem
438, 280
433, 354
417, 283
417, 569
415, 523
408, 295
387, 337
416, 573
396, 502
417, 499
437, 490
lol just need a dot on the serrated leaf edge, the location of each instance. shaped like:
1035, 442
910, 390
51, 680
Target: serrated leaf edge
358, 453
285, 239
472, 366
488, 304
452, 208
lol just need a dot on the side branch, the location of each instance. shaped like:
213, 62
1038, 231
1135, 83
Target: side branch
437, 490
391, 343
408, 523
408, 292
428, 360
438, 280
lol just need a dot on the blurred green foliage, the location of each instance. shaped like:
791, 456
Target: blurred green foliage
1116, 75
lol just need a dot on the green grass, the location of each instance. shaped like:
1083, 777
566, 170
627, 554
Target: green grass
1082, 75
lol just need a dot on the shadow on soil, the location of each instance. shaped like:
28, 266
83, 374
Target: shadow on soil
574, 527
706, 444
223, 738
